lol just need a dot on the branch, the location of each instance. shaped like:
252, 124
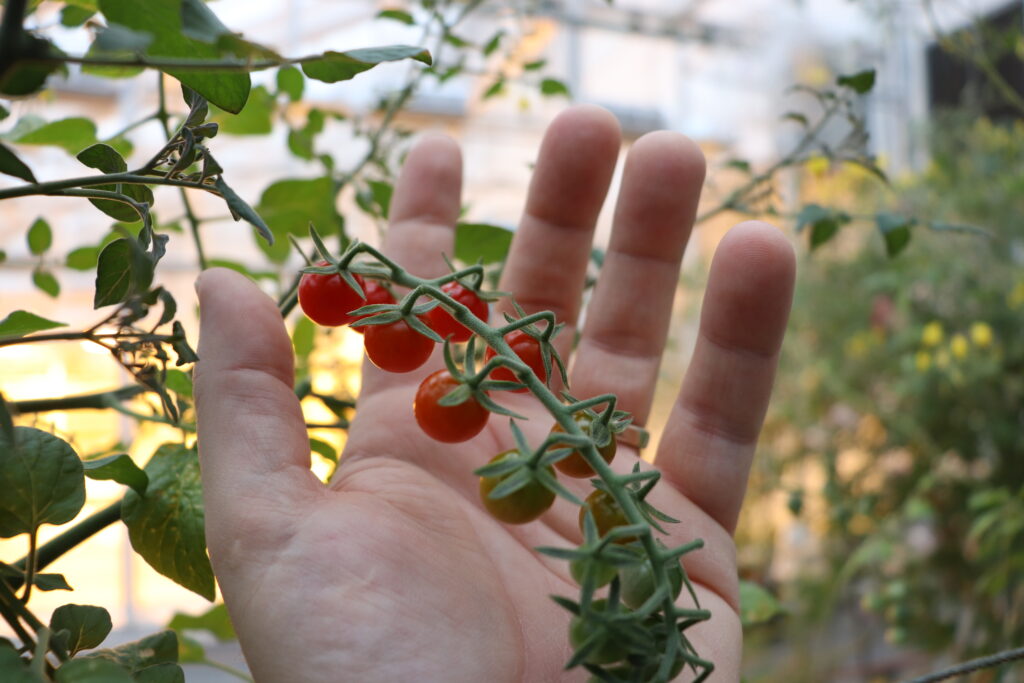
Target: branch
97, 401
128, 178
997, 659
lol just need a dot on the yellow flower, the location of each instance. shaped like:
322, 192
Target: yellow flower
932, 334
1015, 298
817, 165
981, 335
923, 361
958, 345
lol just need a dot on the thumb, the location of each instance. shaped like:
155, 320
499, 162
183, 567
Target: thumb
253, 446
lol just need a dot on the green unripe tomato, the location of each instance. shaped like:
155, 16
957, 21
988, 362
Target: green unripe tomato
603, 573
638, 582
519, 507
608, 651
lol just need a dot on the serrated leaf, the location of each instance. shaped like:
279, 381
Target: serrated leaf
860, 82
86, 626
214, 621
291, 82
11, 165
41, 477
120, 468
331, 67
481, 242
19, 323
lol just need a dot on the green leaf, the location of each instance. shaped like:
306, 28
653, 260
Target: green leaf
396, 15
795, 116
255, 119
11, 165
103, 158
822, 231
166, 21
142, 654
40, 237
481, 242
323, 448
46, 282
895, 230
290, 205
291, 82
496, 88
811, 213
860, 82
25, 78
71, 134
161, 673
86, 626
757, 605
552, 86
82, 258
214, 621
120, 468
303, 337
88, 670
165, 525
41, 477
240, 209
14, 669
44, 582
179, 382
535, 66
332, 67
491, 45
123, 269
19, 323
72, 16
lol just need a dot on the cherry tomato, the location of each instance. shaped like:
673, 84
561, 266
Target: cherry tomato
638, 582
442, 322
575, 465
327, 299
520, 507
607, 514
376, 293
608, 650
449, 424
603, 573
528, 350
396, 347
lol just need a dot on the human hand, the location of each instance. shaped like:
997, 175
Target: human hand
393, 571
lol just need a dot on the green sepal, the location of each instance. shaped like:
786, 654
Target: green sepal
415, 323
512, 483
503, 466
456, 396
321, 249
551, 483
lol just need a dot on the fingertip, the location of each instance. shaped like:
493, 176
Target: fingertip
672, 155
763, 247
589, 125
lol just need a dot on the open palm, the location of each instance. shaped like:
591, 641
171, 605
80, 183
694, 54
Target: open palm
394, 572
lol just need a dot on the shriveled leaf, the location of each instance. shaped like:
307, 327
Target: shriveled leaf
159, 648
165, 525
240, 209
41, 477
331, 67
19, 323
120, 468
86, 626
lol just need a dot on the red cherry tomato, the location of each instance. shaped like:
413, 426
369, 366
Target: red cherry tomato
519, 507
396, 347
449, 424
442, 322
376, 293
528, 350
575, 465
327, 299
